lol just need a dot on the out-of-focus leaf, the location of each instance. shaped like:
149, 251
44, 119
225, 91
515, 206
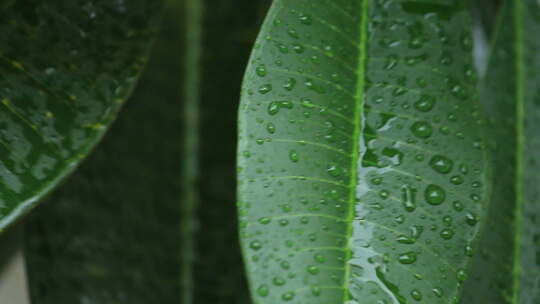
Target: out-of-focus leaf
507, 265
66, 67
112, 234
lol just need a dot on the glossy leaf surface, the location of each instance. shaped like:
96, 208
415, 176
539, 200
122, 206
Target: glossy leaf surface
66, 68
507, 270
361, 163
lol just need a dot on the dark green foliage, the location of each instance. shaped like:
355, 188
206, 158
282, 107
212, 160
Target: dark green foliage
66, 68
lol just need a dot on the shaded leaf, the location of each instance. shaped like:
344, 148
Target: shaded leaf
507, 270
66, 68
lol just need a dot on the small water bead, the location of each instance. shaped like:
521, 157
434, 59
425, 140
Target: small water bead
316, 291
298, 49
261, 70
441, 164
376, 180
409, 198
425, 103
255, 245
407, 258
283, 222
434, 194
288, 296
447, 233
447, 220
319, 258
421, 129
438, 292
416, 294
384, 194
312, 269
293, 156
289, 84
468, 251
275, 106
265, 88
456, 180
306, 19
458, 206
270, 128
391, 62
476, 184
461, 275
471, 219
263, 290
278, 281
334, 170
265, 220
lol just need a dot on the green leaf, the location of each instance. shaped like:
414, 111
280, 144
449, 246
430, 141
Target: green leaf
362, 168
508, 268
113, 232
66, 68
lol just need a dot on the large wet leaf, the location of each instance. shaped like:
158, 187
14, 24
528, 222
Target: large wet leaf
361, 162
507, 270
66, 68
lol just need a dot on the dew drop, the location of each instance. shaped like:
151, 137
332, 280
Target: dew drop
407, 258
441, 164
434, 195
422, 129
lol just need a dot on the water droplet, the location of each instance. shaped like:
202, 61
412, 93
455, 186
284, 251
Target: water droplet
264, 220
261, 70
255, 245
288, 296
334, 170
441, 164
422, 129
306, 19
471, 219
438, 292
447, 233
293, 156
313, 269
434, 195
407, 258
271, 128
416, 294
289, 84
265, 88
456, 180
263, 290
408, 198
278, 281
425, 103
461, 275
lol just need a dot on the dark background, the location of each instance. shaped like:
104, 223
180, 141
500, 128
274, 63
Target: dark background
111, 233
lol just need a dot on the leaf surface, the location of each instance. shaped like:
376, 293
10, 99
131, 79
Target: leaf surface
66, 68
507, 270
362, 172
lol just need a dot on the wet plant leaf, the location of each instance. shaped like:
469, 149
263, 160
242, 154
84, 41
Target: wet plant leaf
66, 68
362, 168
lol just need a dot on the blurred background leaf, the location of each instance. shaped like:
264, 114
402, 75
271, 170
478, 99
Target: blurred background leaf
111, 233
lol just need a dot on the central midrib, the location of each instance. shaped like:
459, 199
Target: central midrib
359, 97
